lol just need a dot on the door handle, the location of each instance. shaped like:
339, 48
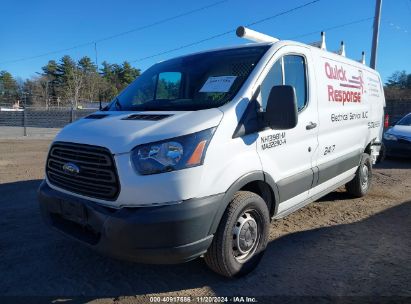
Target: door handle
311, 125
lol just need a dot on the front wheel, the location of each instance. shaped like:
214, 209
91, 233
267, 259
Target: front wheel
361, 183
241, 237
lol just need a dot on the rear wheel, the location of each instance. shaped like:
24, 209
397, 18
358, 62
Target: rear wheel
361, 183
241, 237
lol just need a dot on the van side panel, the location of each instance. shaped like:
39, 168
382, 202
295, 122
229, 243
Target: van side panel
376, 100
344, 114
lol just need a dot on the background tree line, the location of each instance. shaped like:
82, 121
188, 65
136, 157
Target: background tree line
67, 83
398, 86
71, 83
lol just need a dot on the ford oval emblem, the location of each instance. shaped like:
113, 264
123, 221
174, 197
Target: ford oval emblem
71, 169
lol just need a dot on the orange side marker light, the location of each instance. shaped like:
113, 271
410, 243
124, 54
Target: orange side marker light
195, 158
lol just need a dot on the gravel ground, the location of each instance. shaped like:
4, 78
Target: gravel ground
336, 246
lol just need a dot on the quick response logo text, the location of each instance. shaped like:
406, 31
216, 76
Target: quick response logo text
344, 93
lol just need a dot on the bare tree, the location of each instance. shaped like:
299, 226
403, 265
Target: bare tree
74, 85
44, 89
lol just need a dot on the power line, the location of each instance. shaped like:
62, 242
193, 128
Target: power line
333, 27
119, 34
184, 46
226, 33
162, 21
48, 53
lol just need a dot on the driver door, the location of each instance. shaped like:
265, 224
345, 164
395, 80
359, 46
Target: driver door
287, 155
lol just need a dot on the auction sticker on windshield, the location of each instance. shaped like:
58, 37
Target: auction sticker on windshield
220, 84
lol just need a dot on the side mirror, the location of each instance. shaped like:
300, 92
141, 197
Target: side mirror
281, 112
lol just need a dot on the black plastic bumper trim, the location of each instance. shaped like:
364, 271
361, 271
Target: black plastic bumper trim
159, 235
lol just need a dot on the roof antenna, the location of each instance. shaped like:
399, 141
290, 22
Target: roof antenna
323, 45
342, 49
320, 44
246, 33
362, 57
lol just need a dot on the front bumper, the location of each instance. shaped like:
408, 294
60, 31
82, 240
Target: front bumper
160, 235
401, 147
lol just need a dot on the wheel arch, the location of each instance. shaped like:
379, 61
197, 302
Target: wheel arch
368, 148
258, 182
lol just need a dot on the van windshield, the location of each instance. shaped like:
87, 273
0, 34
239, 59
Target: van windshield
194, 82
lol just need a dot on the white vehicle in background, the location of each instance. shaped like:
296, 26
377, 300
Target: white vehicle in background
2, 109
13, 108
201, 152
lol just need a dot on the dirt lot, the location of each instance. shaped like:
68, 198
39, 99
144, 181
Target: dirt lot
336, 246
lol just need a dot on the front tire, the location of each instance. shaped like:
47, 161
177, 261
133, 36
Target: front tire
241, 237
361, 183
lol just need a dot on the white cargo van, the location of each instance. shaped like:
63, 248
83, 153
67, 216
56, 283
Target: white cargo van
201, 152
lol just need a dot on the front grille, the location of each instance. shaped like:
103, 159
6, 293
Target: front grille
97, 176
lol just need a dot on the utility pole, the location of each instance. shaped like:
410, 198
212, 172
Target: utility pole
25, 114
377, 18
95, 53
98, 84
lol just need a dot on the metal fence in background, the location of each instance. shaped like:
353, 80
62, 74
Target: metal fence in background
41, 121
38, 121
396, 109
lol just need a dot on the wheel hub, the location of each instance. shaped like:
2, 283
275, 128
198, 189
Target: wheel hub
364, 179
245, 236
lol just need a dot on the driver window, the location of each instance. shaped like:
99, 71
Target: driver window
294, 75
288, 70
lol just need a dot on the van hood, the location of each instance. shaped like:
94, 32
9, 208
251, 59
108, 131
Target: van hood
118, 132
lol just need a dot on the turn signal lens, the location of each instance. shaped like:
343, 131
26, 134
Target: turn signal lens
197, 155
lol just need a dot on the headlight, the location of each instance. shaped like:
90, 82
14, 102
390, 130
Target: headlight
388, 136
172, 154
